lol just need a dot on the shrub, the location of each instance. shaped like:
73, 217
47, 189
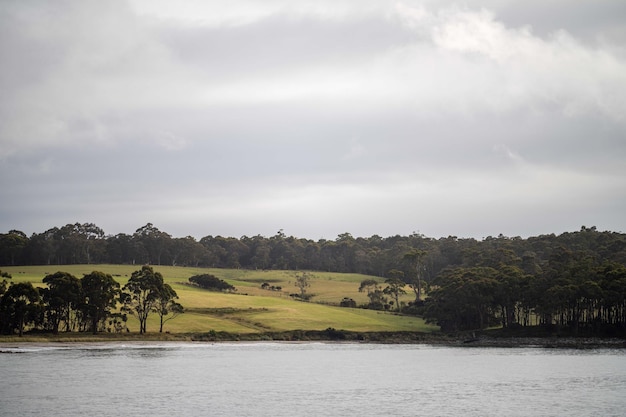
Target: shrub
347, 302
211, 282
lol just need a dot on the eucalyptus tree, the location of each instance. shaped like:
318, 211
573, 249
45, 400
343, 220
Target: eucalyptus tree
415, 257
100, 294
12, 246
123, 249
141, 293
18, 307
44, 248
155, 242
303, 281
187, 251
166, 306
613, 303
368, 285
374, 293
395, 286
81, 243
61, 298
4, 283
463, 299
260, 250
3, 287
214, 251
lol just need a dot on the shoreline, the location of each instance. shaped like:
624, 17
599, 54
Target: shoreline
324, 336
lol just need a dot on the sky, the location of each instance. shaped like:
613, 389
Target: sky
443, 118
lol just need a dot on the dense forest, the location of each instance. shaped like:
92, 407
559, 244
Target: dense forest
575, 280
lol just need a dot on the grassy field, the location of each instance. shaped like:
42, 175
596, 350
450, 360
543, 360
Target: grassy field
252, 309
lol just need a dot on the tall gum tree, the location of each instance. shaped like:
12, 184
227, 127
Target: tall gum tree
100, 292
17, 305
141, 294
395, 286
62, 296
166, 306
415, 258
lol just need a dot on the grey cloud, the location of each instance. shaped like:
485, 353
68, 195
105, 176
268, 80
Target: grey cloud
283, 43
585, 20
400, 130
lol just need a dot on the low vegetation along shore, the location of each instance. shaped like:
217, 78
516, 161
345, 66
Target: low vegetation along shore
251, 306
329, 335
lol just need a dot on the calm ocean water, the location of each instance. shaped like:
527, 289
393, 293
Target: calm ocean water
309, 379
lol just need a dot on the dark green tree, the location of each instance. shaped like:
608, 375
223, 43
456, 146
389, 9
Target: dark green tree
374, 293
140, 294
12, 246
4, 283
368, 285
166, 306
395, 286
415, 258
62, 297
211, 282
187, 251
100, 294
155, 242
508, 293
18, 307
464, 299
81, 243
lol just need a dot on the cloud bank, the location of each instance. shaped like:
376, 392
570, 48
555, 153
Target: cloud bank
468, 119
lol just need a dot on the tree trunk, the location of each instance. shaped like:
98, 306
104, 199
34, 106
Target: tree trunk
416, 292
419, 286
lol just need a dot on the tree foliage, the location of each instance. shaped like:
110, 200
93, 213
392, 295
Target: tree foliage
87, 304
377, 299
140, 295
415, 258
19, 306
100, 297
303, 282
4, 283
395, 286
62, 298
211, 282
573, 280
166, 306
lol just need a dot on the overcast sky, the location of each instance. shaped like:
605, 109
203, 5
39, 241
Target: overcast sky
317, 117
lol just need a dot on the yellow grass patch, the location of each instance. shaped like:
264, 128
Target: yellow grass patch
251, 309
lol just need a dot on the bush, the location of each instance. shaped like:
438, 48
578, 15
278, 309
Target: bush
334, 334
347, 302
305, 297
211, 282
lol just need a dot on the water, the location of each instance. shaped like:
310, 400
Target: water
309, 379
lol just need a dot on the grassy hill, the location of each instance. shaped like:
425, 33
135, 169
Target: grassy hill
252, 309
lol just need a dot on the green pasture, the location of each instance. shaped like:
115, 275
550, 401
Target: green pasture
251, 309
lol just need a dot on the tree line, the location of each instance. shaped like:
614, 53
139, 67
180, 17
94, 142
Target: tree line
575, 280
96, 302
574, 292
